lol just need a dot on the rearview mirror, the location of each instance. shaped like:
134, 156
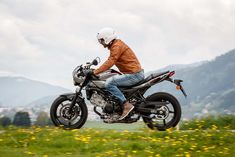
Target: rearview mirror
94, 62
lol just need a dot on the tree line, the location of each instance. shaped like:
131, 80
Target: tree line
23, 119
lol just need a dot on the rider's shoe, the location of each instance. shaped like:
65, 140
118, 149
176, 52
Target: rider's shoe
128, 107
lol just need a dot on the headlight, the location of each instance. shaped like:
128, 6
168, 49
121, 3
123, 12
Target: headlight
76, 70
78, 78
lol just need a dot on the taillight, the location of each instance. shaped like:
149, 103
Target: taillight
171, 73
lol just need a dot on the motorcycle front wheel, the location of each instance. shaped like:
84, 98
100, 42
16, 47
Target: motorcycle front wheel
70, 120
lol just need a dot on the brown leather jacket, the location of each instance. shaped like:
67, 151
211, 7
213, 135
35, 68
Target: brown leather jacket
121, 56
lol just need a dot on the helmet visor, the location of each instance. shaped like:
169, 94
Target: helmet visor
101, 41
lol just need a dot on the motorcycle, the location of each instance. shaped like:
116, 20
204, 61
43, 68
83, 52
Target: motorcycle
159, 110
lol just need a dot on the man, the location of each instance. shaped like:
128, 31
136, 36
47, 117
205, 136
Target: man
127, 63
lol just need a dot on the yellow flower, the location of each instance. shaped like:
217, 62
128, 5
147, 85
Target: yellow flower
154, 140
208, 135
187, 155
226, 127
109, 152
74, 130
45, 155
68, 153
38, 129
169, 131
121, 152
214, 127
181, 149
193, 139
29, 153
126, 131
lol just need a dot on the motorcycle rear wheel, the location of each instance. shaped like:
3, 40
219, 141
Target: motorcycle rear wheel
174, 112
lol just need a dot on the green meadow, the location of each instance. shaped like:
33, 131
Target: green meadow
206, 137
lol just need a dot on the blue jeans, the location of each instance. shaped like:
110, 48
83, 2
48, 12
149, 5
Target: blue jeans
123, 80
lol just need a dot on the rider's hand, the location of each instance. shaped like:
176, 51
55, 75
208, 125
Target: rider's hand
94, 75
88, 72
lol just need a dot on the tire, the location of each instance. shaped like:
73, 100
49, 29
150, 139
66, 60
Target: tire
80, 108
161, 96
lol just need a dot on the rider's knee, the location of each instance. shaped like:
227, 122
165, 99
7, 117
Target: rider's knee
109, 82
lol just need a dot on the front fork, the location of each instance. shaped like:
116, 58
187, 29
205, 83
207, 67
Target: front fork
78, 93
74, 99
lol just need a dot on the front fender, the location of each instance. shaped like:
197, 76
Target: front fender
70, 96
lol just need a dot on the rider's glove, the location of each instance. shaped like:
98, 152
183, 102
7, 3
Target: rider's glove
88, 72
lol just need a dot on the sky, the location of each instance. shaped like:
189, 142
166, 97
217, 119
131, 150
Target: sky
46, 39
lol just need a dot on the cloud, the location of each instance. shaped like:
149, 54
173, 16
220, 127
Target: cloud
45, 40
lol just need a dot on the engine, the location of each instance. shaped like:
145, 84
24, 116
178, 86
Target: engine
108, 106
97, 100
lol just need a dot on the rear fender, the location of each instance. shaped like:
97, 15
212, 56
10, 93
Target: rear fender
178, 84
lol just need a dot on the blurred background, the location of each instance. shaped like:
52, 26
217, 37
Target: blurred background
41, 42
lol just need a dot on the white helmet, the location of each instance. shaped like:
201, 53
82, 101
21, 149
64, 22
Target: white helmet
106, 35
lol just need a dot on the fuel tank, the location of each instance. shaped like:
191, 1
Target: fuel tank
103, 77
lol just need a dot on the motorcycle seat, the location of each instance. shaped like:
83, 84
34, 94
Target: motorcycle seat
149, 77
154, 75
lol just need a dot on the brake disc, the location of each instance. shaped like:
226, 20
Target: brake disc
162, 112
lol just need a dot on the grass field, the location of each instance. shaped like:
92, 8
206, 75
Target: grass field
122, 140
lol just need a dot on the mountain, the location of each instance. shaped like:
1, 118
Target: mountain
18, 91
210, 86
178, 67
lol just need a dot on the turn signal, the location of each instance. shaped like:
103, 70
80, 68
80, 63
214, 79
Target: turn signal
178, 87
